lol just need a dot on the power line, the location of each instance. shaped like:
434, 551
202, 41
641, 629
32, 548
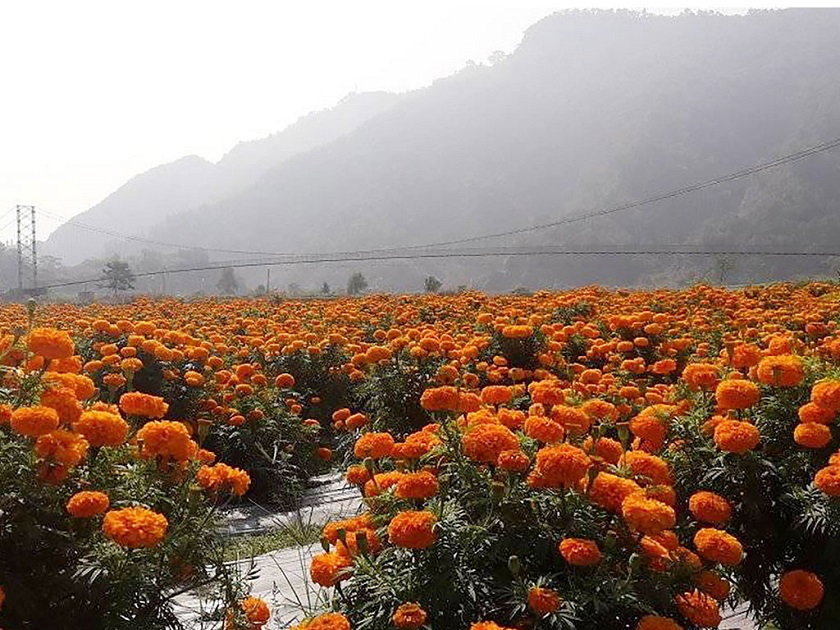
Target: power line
745, 172
475, 253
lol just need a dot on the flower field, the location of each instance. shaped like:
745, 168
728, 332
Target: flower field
640, 460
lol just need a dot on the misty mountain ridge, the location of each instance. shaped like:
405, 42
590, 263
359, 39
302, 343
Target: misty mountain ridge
192, 182
593, 109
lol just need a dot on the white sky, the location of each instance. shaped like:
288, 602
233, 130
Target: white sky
94, 92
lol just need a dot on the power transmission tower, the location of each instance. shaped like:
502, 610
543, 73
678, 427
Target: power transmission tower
26, 247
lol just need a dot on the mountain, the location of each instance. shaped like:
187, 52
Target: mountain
593, 109
192, 182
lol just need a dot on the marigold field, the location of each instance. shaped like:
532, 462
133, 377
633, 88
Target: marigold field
593, 459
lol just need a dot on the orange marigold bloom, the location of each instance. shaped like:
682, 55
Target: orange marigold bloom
709, 507
543, 601
737, 394
827, 394
440, 399
609, 491
812, 412
413, 530
517, 332
87, 504
327, 569
166, 439
256, 611
785, 370
374, 445
580, 551
649, 467
801, 590
716, 545
102, 428
561, 465
488, 625
712, 585
573, 419
655, 622
357, 475
496, 395
544, 429
828, 480
409, 616
812, 435
223, 477
701, 376
144, 405
485, 442
135, 527
699, 609
511, 418
647, 516
63, 400
50, 343
326, 621
547, 392
607, 449
418, 485
745, 356
381, 482
62, 447
734, 436
356, 421
34, 421
513, 460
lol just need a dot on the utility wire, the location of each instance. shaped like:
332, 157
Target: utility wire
745, 172
476, 253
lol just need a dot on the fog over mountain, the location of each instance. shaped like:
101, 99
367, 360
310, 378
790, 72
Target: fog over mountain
593, 109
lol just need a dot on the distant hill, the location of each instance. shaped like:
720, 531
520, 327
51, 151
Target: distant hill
191, 182
594, 108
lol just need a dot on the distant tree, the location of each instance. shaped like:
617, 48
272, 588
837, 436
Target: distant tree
294, 289
496, 56
118, 276
432, 284
724, 266
356, 284
227, 284
325, 289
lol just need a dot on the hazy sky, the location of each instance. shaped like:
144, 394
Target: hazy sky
94, 92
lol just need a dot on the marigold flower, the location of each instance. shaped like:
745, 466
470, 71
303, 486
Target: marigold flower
357, 475
827, 394
580, 551
256, 611
382, 482
327, 569
701, 376
326, 621
812, 412
547, 392
488, 625
87, 504
34, 421
102, 428
496, 395
699, 609
801, 590
50, 343
223, 477
735, 436
444, 398
543, 601
413, 530
812, 435
62, 447
716, 545
63, 400
409, 616
709, 507
485, 442
144, 405
544, 429
737, 394
517, 332
419, 485
374, 445
784, 370
712, 585
166, 439
561, 465
607, 449
135, 527
828, 480
609, 491
513, 460
647, 516
649, 467
655, 622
